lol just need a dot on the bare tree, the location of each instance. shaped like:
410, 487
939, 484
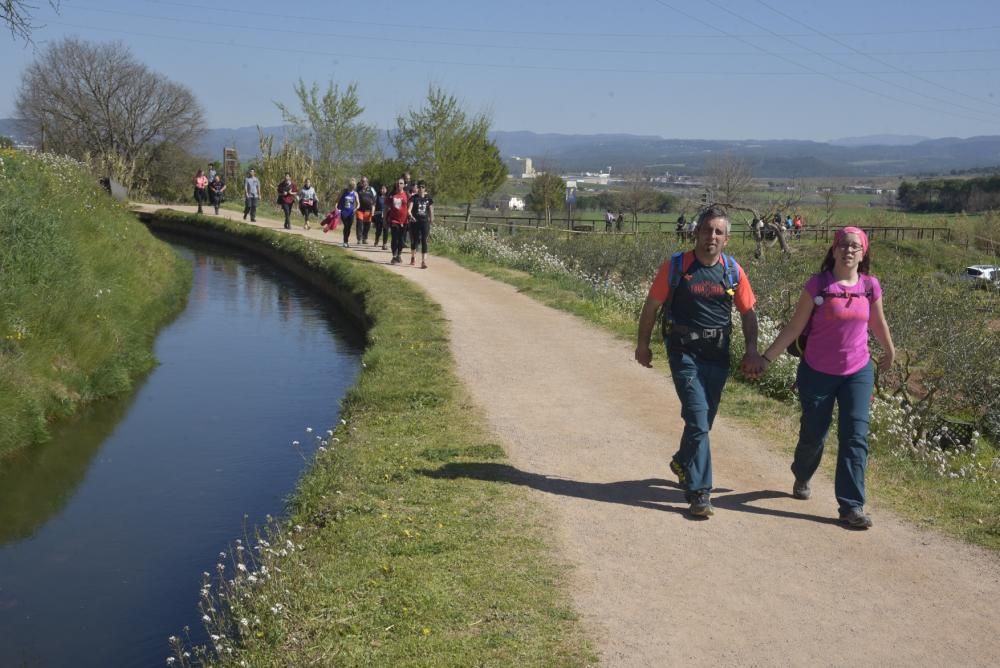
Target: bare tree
638, 197
729, 178
96, 102
17, 15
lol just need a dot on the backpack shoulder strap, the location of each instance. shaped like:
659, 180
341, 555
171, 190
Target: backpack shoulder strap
676, 270
731, 269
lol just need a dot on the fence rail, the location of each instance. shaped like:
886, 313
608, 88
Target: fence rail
515, 224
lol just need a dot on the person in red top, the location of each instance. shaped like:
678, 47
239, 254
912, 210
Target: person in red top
698, 319
200, 188
398, 215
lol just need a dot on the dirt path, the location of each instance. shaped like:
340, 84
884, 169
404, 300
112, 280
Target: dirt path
768, 581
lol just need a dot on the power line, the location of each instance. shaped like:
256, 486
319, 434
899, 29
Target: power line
536, 33
871, 56
423, 61
853, 69
507, 47
811, 69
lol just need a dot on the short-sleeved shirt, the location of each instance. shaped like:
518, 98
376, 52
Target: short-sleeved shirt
421, 206
702, 300
252, 186
838, 329
398, 205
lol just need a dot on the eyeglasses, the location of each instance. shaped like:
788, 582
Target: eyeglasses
850, 247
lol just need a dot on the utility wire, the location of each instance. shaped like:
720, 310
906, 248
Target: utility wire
423, 61
507, 47
534, 33
888, 82
872, 55
813, 70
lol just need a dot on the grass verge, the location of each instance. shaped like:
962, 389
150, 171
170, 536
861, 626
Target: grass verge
83, 291
962, 508
385, 559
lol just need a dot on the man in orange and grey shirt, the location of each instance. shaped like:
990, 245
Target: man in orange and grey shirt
697, 336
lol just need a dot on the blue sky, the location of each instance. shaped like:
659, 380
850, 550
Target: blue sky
713, 69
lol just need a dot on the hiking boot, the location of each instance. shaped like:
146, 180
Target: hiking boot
856, 518
675, 467
801, 490
384, 248
701, 503
413, 260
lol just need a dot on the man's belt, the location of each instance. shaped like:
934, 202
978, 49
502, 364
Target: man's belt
689, 334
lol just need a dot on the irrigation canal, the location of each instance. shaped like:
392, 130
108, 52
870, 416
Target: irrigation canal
106, 529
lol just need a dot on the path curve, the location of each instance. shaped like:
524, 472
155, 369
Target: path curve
768, 581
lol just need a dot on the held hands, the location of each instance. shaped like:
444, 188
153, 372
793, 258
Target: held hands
753, 365
644, 356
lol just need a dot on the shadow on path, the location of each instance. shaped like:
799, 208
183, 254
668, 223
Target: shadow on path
652, 493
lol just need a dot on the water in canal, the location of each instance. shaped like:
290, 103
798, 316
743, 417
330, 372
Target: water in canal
106, 529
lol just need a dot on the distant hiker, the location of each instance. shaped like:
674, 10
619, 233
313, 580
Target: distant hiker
348, 205
251, 193
366, 210
788, 223
287, 192
619, 222
397, 215
422, 211
308, 203
216, 188
211, 172
681, 227
797, 226
379, 219
200, 188
697, 290
609, 220
837, 308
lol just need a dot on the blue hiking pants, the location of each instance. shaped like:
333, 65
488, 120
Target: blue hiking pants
699, 386
817, 394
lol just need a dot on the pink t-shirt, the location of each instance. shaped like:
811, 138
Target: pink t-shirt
838, 331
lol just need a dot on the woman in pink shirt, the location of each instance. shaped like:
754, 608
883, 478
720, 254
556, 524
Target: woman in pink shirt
200, 188
837, 308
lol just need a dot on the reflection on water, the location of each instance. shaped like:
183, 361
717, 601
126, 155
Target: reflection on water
105, 530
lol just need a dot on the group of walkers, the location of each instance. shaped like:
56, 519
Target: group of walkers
696, 290
209, 187
407, 212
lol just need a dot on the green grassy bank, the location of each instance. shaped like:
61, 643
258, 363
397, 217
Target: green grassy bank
83, 290
931, 491
384, 558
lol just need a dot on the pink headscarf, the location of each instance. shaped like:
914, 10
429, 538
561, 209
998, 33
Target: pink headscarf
840, 234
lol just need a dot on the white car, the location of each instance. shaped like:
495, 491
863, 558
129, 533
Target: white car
983, 275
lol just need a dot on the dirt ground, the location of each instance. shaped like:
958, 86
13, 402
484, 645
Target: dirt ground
768, 581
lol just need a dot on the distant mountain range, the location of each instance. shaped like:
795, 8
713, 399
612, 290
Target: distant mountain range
871, 156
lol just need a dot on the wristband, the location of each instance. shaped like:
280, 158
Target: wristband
769, 360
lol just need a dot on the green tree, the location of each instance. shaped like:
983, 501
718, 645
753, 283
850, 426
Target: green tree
547, 193
450, 149
329, 131
6, 142
383, 171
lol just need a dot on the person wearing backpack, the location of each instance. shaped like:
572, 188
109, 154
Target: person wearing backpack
696, 291
837, 308
366, 210
348, 205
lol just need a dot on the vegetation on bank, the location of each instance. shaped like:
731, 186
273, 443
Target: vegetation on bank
385, 558
83, 290
947, 361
